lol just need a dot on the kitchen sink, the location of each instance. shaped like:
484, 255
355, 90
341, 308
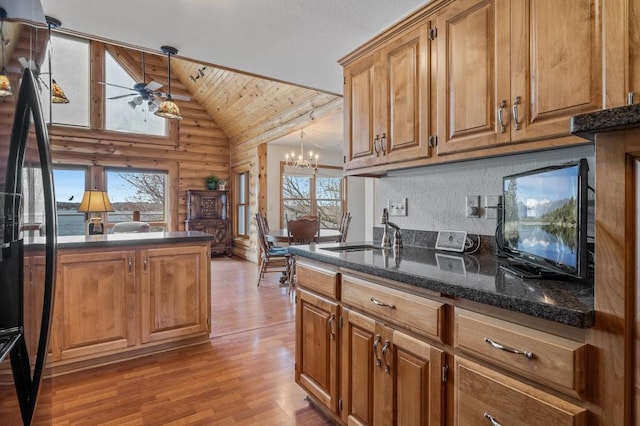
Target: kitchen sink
359, 247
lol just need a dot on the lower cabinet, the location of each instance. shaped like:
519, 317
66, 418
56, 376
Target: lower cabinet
317, 348
111, 303
388, 377
484, 396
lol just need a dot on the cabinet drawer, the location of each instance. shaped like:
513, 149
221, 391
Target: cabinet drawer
554, 361
415, 313
482, 394
322, 281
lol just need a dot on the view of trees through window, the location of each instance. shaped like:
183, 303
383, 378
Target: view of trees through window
318, 194
141, 191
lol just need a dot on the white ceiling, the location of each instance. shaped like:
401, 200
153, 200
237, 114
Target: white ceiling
295, 41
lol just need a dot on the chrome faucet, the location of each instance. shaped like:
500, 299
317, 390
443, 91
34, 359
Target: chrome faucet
397, 237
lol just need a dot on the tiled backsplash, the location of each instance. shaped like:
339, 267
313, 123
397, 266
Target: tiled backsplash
427, 239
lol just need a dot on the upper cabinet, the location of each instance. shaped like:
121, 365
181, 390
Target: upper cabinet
478, 78
512, 71
387, 98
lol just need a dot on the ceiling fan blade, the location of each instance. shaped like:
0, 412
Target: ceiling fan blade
176, 97
114, 85
123, 96
153, 86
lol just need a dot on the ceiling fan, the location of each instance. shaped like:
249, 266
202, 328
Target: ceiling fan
145, 92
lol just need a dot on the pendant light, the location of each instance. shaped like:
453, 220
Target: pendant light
5, 84
57, 94
168, 108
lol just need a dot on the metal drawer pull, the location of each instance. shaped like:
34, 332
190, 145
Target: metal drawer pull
497, 345
329, 324
503, 103
376, 343
492, 419
379, 303
385, 348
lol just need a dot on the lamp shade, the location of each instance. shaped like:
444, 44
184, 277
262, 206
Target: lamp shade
5, 85
95, 201
57, 94
168, 109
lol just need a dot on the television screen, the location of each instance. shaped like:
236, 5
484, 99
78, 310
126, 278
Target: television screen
544, 218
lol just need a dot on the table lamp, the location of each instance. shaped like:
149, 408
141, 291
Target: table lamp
95, 201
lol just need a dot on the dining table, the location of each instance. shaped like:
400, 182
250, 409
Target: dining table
325, 236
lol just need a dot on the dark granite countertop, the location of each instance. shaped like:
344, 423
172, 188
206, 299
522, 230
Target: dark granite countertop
606, 120
473, 277
130, 239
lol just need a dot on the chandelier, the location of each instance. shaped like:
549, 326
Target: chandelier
302, 162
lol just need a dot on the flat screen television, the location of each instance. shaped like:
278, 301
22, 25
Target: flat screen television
544, 221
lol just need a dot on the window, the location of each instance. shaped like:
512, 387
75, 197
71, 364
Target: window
70, 69
69, 185
243, 214
129, 112
304, 193
138, 190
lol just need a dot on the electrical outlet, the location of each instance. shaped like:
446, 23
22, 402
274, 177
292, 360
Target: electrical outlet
491, 206
472, 206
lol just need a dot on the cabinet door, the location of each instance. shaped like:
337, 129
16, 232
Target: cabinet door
362, 111
406, 96
483, 396
473, 75
175, 292
317, 348
634, 49
417, 382
359, 344
94, 304
556, 65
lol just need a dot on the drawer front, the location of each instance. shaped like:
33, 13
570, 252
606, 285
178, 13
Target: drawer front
482, 395
552, 360
322, 281
413, 312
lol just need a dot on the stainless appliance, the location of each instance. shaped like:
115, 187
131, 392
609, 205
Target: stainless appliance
27, 257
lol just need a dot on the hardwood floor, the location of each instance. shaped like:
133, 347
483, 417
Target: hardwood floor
243, 376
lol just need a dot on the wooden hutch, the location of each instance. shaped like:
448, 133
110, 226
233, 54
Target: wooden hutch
208, 211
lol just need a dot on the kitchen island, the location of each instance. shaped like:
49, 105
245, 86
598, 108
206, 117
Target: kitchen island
120, 296
384, 336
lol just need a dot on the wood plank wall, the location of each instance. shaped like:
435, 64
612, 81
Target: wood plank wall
196, 147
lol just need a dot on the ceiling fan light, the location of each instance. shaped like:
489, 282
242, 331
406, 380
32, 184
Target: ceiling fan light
57, 94
168, 109
5, 85
132, 104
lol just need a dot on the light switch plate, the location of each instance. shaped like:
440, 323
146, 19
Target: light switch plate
491, 206
398, 207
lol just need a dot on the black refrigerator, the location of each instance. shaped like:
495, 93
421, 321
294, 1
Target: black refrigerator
27, 258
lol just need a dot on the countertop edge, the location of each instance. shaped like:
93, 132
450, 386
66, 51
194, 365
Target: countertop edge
132, 239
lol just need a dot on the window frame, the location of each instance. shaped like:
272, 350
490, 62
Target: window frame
247, 204
313, 199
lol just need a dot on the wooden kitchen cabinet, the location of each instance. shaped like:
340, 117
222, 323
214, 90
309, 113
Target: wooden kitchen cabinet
94, 309
512, 71
174, 289
317, 347
388, 376
484, 396
387, 102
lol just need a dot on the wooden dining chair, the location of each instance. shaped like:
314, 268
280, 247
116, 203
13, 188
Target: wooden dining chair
344, 226
304, 230
273, 258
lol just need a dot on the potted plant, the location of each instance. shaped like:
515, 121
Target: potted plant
222, 185
212, 182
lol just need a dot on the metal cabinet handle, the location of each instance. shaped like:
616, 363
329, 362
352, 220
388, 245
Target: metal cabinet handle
514, 111
376, 148
492, 419
385, 348
376, 343
383, 141
332, 319
130, 263
145, 265
526, 354
379, 303
503, 103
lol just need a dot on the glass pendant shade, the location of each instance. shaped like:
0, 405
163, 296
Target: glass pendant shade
5, 85
57, 94
168, 109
